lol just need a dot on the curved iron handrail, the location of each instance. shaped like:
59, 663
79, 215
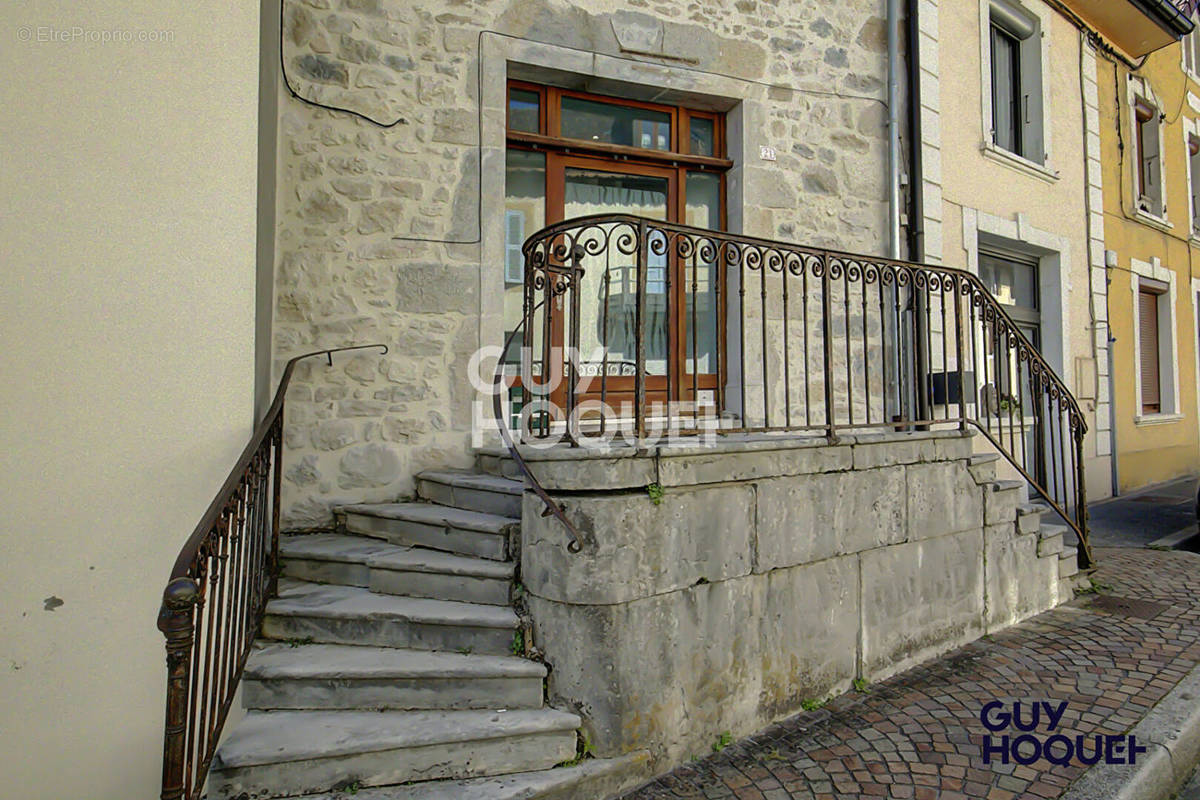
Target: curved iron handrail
231, 558
551, 507
555, 254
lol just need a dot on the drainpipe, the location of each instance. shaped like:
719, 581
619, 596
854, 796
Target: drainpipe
919, 397
893, 123
916, 171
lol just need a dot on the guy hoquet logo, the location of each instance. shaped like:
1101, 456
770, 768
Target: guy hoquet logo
1029, 734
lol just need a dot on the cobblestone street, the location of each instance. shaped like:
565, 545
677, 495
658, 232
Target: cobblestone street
919, 734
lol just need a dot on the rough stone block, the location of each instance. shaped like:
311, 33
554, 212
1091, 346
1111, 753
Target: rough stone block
942, 498
1019, 584
887, 450
809, 634
593, 473
809, 518
634, 548
672, 672
750, 464
954, 447
920, 599
667, 673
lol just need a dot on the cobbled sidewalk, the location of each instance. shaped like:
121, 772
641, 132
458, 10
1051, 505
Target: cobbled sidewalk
918, 735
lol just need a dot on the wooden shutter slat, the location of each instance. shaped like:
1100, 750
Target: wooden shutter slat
1148, 344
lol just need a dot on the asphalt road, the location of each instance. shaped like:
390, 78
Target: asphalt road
1141, 518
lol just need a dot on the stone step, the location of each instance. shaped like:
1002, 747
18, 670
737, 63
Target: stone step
1000, 503
499, 466
1068, 562
391, 569
446, 576
1029, 517
329, 676
328, 558
453, 530
1051, 540
472, 491
281, 753
332, 614
594, 779
982, 467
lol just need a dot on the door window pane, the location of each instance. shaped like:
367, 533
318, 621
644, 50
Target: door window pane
1011, 282
524, 111
614, 124
700, 277
524, 214
608, 290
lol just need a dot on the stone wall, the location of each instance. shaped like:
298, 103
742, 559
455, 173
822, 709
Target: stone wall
382, 232
771, 573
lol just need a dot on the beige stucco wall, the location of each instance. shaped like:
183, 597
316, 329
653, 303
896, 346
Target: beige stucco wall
1045, 210
127, 213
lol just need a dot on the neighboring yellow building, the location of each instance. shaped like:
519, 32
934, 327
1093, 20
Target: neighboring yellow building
1150, 145
1012, 171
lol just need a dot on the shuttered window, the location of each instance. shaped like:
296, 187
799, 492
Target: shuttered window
1148, 346
1150, 195
1016, 54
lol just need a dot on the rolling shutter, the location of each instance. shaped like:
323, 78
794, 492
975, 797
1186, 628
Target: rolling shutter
1148, 344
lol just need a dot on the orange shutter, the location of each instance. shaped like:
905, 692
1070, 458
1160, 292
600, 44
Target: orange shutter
1148, 342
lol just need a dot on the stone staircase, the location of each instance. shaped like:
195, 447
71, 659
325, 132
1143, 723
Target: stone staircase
390, 666
1051, 539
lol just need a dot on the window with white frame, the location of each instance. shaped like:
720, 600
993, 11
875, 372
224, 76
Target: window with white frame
1154, 348
1193, 146
1191, 53
1149, 341
1016, 80
1148, 157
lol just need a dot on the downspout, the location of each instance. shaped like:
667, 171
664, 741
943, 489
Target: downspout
916, 226
893, 123
916, 171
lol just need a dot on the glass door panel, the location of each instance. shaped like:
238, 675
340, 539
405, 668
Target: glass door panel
592, 191
702, 210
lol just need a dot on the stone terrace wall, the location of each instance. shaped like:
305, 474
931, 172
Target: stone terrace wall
359, 430
770, 574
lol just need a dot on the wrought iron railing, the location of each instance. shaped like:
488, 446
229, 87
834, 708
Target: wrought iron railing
213, 603
641, 329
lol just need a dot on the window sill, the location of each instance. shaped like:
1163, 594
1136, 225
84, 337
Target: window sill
1156, 419
1019, 163
1154, 221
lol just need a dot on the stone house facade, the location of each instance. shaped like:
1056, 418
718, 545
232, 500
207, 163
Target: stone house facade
396, 233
